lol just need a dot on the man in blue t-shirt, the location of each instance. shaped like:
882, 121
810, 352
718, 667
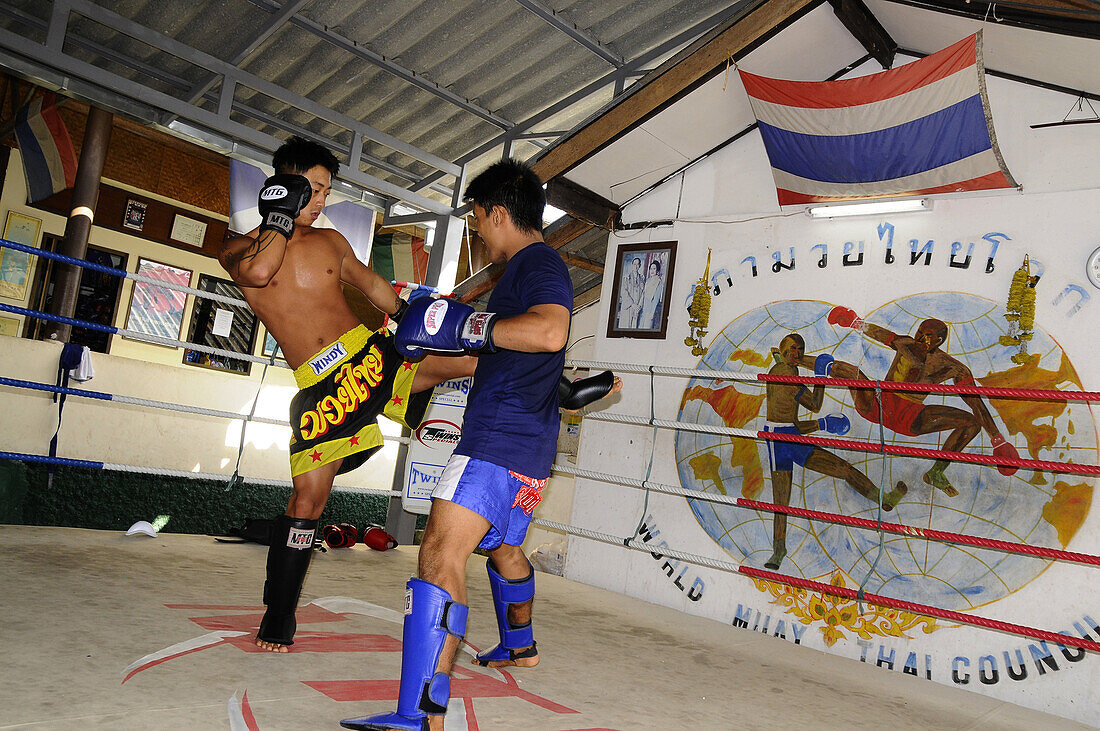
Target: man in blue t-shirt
495, 478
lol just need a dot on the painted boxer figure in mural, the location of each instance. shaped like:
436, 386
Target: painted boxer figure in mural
918, 359
783, 400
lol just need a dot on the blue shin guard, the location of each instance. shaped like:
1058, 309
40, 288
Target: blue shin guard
430, 615
517, 641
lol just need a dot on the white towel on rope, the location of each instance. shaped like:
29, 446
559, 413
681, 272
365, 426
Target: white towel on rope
84, 371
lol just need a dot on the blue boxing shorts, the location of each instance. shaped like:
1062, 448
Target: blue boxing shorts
785, 455
501, 496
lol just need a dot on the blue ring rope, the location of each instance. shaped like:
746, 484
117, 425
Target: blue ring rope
55, 389
19, 456
132, 276
58, 318
64, 259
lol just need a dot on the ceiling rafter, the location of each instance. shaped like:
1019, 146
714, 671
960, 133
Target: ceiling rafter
248, 111
754, 20
865, 28
274, 23
232, 75
580, 35
1068, 17
109, 81
412, 77
632, 68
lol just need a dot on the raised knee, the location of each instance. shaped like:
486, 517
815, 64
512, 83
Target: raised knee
304, 505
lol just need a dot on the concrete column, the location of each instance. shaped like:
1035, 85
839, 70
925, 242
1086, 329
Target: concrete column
446, 249
400, 523
66, 281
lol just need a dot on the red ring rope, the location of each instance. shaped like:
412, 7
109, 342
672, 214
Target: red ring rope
1034, 464
930, 611
935, 535
1029, 393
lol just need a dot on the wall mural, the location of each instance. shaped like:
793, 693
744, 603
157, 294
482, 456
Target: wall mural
949, 337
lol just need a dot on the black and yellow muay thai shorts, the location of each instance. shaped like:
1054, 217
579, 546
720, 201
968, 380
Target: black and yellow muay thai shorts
342, 390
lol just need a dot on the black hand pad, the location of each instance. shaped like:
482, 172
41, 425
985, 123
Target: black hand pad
574, 395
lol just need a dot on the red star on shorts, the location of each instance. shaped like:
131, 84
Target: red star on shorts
316, 456
397, 401
407, 365
354, 441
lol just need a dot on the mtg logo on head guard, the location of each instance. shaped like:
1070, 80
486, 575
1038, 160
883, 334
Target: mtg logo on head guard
438, 434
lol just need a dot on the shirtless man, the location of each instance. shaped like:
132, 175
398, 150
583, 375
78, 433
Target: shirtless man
783, 400
291, 275
918, 359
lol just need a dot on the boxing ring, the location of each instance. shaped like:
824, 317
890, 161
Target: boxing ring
399, 564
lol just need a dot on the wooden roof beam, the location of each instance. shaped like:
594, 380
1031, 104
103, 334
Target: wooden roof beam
670, 81
556, 236
580, 202
865, 28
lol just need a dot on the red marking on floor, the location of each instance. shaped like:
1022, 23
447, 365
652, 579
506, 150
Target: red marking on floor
309, 614
218, 607
246, 712
326, 642
476, 685
152, 663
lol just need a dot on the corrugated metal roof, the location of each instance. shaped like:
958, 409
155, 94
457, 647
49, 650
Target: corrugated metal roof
445, 78
413, 89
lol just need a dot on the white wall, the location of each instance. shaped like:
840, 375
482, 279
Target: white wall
1052, 222
123, 434
546, 547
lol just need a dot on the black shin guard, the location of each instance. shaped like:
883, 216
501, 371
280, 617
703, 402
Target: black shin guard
287, 561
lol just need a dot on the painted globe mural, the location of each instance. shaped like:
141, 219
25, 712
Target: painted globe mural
1045, 509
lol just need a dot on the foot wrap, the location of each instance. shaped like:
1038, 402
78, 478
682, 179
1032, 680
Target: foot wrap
430, 615
517, 641
287, 561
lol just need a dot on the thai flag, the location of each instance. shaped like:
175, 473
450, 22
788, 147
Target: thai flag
917, 129
47, 151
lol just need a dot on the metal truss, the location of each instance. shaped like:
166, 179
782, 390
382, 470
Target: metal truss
186, 110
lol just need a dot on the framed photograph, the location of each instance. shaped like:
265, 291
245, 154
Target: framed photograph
16, 266
156, 310
643, 286
135, 214
9, 326
270, 346
188, 231
220, 325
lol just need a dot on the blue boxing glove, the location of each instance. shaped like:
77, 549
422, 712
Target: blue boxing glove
443, 326
835, 424
823, 365
416, 291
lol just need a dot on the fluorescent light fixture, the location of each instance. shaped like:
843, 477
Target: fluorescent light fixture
401, 209
870, 209
551, 214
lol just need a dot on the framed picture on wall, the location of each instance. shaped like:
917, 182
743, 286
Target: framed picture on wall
156, 310
15, 266
9, 326
643, 286
270, 346
221, 325
135, 214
